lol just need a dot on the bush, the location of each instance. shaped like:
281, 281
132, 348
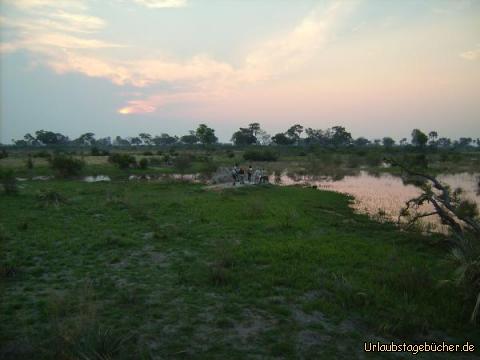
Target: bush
156, 161
67, 166
143, 163
182, 163
42, 154
147, 153
8, 181
97, 152
3, 154
208, 168
29, 163
123, 161
50, 198
373, 159
260, 155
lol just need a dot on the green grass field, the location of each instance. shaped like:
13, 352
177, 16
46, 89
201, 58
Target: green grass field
170, 270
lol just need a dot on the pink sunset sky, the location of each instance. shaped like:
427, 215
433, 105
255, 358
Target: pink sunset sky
120, 67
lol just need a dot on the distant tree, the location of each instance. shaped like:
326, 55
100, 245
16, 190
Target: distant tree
263, 138
322, 137
361, 141
87, 139
282, 139
444, 142
388, 142
106, 141
314, 136
51, 138
294, 132
419, 139
377, 142
464, 142
30, 140
165, 140
244, 136
206, 135
340, 137
135, 141
119, 141
433, 135
403, 141
254, 128
146, 138
189, 139
20, 142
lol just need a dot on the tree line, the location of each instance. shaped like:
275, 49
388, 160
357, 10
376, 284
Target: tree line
253, 134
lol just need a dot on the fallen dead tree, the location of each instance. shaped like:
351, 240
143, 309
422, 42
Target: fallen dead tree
460, 215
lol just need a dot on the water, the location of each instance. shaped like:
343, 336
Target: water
382, 194
98, 178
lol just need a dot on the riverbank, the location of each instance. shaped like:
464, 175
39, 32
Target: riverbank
166, 270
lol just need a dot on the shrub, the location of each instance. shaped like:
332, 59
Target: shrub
66, 166
3, 154
50, 198
373, 159
147, 153
97, 152
8, 181
230, 154
155, 161
123, 161
42, 154
143, 163
182, 163
29, 163
207, 168
260, 155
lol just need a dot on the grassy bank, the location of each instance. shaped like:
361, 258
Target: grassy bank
170, 270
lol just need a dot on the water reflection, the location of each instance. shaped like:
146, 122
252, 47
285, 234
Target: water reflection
380, 193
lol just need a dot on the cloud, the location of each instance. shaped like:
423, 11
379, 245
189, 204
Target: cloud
200, 77
49, 25
35, 4
295, 48
161, 4
471, 55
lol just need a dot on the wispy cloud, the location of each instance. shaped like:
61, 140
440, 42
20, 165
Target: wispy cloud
59, 4
199, 77
471, 55
162, 4
45, 26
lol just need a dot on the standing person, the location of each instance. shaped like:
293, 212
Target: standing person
256, 176
263, 177
235, 174
241, 172
249, 173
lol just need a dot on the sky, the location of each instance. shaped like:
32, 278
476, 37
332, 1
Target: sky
123, 67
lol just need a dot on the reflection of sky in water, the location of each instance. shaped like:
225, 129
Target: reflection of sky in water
384, 192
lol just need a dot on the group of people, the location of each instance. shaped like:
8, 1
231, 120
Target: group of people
258, 176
